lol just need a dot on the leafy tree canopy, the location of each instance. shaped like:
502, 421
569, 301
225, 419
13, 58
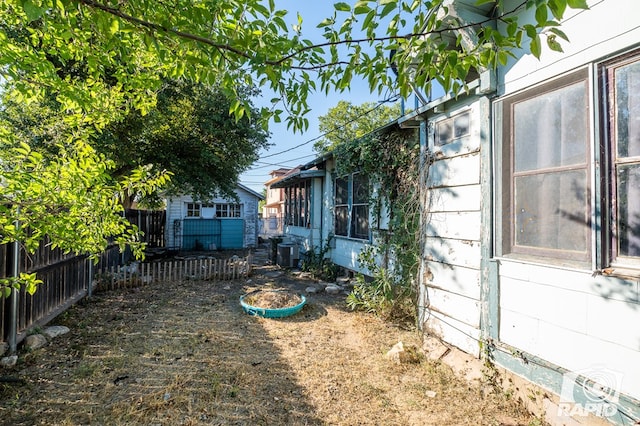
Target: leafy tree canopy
127, 48
101, 59
346, 122
190, 134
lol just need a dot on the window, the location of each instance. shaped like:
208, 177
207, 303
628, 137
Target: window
351, 206
622, 113
227, 210
548, 166
341, 207
193, 209
452, 128
545, 177
298, 204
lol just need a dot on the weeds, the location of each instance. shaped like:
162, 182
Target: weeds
386, 294
318, 265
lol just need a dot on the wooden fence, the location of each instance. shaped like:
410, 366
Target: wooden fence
66, 278
137, 274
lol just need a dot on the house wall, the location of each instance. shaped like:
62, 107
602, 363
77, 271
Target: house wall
546, 321
450, 289
344, 251
176, 212
567, 316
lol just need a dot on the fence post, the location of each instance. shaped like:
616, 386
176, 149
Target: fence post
90, 285
13, 324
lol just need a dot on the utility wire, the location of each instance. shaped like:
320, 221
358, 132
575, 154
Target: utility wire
340, 127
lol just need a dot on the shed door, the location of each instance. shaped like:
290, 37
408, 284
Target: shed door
231, 233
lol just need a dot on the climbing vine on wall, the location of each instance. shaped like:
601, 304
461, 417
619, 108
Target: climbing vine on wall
390, 158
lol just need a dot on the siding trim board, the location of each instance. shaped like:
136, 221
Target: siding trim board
550, 376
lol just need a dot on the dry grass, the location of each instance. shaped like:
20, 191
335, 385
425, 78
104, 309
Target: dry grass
186, 354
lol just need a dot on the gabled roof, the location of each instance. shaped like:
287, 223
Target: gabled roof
251, 191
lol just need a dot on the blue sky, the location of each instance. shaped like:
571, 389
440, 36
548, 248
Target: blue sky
284, 140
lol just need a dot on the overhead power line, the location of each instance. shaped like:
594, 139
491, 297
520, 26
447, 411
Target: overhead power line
340, 127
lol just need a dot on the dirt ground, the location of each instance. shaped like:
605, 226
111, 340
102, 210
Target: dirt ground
185, 353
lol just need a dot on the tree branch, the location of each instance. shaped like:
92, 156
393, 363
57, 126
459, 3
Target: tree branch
225, 47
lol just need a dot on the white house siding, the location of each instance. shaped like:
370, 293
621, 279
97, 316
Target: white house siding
572, 319
450, 290
176, 211
564, 316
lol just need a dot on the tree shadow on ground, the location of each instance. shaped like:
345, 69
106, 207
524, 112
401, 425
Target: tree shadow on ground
171, 353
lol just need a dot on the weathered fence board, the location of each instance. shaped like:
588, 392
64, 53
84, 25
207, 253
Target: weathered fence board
65, 276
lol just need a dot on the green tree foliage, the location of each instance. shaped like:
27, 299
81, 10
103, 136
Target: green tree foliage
346, 122
101, 59
190, 134
71, 198
125, 49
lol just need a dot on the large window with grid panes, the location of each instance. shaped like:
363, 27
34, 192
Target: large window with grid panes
351, 206
570, 177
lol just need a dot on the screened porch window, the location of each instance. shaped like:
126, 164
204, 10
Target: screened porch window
298, 204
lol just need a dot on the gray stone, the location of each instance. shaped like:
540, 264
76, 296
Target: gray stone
343, 280
9, 361
311, 290
55, 331
35, 341
333, 289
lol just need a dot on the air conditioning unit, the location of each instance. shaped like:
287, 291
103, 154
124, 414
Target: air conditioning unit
288, 255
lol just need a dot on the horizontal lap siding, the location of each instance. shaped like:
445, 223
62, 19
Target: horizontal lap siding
451, 259
572, 319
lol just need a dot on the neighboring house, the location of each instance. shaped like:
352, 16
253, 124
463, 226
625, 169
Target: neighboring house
323, 208
215, 224
273, 210
532, 238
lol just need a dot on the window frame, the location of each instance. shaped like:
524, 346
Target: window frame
228, 211
193, 210
506, 235
355, 202
612, 160
451, 123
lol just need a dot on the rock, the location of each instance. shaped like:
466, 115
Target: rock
333, 289
430, 394
401, 355
274, 274
9, 361
311, 290
35, 341
3, 348
55, 331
